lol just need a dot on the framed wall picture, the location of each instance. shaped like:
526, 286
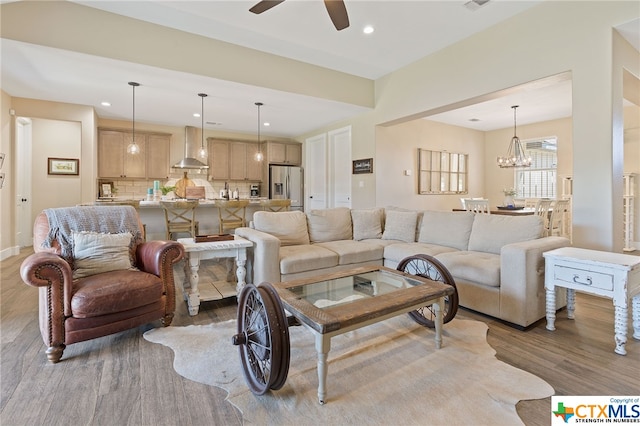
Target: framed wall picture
363, 166
63, 166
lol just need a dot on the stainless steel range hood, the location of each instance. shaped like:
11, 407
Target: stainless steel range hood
192, 142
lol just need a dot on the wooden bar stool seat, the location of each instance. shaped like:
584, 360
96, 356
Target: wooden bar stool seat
231, 213
180, 217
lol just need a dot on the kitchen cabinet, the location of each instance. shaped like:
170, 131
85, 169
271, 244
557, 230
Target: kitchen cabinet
158, 156
218, 159
242, 164
284, 153
233, 160
114, 162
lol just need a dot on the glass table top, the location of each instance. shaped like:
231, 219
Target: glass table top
352, 288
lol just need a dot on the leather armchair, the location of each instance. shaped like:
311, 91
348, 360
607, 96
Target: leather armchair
73, 311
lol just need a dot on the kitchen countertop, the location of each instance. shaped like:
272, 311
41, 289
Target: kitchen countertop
205, 202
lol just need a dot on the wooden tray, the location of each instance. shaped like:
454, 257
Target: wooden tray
215, 237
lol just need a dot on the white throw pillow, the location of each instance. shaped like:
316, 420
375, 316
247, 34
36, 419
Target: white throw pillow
400, 225
367, 223
329, 224
94, 253
289, 227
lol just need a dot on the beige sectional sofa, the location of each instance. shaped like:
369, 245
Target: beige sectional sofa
496, 260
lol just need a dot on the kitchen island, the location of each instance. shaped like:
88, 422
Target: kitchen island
152, 216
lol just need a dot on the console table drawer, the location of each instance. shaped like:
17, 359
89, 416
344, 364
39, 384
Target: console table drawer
584, 277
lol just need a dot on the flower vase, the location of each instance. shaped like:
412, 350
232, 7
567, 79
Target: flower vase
508, 201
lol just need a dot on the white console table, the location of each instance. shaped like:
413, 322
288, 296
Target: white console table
612, 275
195, 252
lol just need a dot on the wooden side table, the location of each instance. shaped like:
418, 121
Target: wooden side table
612, 275
195, 252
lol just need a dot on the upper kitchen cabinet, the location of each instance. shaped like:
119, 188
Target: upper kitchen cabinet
218, 159
284, 153
233, 160
158, 147
242, 164
114, 162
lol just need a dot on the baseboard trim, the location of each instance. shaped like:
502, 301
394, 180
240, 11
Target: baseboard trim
8, 252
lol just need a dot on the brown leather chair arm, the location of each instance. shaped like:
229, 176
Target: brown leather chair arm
52, 271
158, 257
153, 256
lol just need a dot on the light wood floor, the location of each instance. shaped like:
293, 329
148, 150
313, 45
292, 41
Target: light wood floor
125, 380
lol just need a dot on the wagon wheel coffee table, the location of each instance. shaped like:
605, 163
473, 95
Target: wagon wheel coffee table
330, 305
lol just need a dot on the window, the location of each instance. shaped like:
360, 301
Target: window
539, 180
442, 172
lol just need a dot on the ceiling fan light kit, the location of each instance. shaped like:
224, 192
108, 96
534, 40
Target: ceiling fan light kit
335, 8
516, 155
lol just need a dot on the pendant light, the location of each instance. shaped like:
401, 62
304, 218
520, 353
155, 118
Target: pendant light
203, 151
259, 156
133, 147
516, 156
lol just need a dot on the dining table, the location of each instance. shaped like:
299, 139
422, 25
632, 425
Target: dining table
524, 211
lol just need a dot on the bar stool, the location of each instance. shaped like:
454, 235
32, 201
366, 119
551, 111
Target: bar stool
180, 216
275, 205
231, 213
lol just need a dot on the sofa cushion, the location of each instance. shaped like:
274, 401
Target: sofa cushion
490, 232
95, 253
479, 267
450, 229
294, 259
102, 294
398, 251
400, 225
289, 227
329, 224
367, 223
350, 251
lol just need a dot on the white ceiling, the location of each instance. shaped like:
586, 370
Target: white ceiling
298, 29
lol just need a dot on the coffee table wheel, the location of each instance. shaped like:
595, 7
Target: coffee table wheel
263, 338
429, 267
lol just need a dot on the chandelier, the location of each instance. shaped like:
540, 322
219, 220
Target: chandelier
516, 156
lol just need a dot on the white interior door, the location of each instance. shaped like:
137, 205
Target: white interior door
316, 172
340, 167
24, 222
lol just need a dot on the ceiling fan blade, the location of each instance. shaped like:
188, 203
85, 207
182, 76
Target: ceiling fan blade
264, 5
338, 13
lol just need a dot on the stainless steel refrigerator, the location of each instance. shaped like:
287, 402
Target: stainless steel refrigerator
286, 182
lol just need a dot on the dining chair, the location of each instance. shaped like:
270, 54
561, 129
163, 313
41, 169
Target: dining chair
275, 205
557, 222
180, 217
531, 203
231, 213
543, 209
477, 206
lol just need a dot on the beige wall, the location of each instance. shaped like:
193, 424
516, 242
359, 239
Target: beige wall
8, 246
397, 151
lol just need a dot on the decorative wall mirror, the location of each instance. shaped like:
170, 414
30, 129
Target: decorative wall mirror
442, 172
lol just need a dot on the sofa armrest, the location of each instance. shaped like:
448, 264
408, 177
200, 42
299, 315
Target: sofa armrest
522, 295
264, 257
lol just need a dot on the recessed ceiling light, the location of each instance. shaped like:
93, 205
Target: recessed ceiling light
196, 114
368, 29
105, 103
266, 124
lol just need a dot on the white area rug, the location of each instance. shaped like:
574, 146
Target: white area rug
389, 374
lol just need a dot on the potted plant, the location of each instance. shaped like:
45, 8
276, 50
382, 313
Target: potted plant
166, 190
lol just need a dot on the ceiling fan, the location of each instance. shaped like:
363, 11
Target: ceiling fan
336, 9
